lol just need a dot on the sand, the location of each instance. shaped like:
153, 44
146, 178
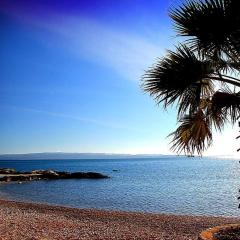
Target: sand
20, 221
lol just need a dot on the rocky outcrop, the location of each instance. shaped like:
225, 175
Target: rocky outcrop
11, 176
7, 170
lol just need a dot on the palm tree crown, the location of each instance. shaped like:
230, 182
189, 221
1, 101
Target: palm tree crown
200, 75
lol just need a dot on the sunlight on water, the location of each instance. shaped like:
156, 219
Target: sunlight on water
197, 186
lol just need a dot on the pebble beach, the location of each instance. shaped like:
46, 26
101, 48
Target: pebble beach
30, 221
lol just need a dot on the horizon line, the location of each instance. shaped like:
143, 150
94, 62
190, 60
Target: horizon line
112, 153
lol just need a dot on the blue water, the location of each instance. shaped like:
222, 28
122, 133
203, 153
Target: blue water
178, 185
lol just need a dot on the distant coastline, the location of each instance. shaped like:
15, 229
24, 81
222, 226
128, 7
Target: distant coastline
73, 156
64, 155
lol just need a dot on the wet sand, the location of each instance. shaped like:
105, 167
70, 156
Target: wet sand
20, 221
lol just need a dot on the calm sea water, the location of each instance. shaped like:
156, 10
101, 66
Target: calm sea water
196, 186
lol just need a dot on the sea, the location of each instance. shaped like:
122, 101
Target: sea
171, 185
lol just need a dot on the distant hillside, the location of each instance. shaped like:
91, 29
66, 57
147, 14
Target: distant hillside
62, 155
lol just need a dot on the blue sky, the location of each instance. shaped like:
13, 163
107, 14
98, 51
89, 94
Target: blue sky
70, 77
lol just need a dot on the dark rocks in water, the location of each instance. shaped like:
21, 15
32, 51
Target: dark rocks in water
50, 172
18, 178
48, 175
7, 170
93, 175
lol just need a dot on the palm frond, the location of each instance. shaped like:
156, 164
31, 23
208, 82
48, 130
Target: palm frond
211, 25
225, 105
180, 77
193, 134
232, 14
186, 77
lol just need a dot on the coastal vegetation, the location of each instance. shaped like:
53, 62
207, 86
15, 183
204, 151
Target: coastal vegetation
200, 77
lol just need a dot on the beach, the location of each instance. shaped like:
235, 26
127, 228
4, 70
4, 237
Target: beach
19, 220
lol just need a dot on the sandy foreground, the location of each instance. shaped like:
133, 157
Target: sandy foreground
37, 221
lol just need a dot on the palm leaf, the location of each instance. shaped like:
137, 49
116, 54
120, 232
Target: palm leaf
225, 105
211, 25
193, 134
185, 77
180, 77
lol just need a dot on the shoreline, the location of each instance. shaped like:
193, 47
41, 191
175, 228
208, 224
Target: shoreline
22, 220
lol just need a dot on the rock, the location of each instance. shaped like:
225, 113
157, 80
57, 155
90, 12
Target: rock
7, 170
13, 178
77, 175
37, 171
93, 175
48, 175
43, 172
96, 175
64, 174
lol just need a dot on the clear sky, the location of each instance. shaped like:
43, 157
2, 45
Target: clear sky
70, 77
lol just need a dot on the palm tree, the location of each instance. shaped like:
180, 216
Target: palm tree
200, 77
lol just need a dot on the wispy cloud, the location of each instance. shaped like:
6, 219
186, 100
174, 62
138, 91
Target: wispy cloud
100, 123
127, 53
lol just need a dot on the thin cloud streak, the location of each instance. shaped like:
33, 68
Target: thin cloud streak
76, 118
126, 53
